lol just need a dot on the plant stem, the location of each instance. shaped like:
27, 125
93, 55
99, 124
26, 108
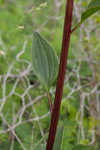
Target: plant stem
61, 74
75, 28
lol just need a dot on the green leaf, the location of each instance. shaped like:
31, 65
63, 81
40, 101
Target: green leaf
94, 3
44, 60
89, 12
58, 139
83, 147
93, 7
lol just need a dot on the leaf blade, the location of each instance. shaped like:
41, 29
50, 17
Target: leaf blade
93, 7
44, 60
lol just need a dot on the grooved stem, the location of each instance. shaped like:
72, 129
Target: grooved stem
61, 74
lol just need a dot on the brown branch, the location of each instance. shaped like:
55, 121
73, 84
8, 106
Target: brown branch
61, 75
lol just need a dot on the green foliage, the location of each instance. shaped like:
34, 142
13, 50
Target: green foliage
70, 134
6, 145
44, 60
22, 131
85, 69
83, 147
94, 3
58, 139
93, 7
88, 13
40, 147
4, 137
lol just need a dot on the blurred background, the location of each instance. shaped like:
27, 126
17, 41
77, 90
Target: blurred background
24, 110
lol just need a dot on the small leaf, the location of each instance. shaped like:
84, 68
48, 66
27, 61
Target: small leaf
89, 12
44, 60
93, 7
58, 139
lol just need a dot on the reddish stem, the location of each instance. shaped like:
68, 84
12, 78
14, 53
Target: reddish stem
61, 75
75, 27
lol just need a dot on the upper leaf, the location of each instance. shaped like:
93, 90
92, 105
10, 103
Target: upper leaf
44, 60
94, 3
93, 7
